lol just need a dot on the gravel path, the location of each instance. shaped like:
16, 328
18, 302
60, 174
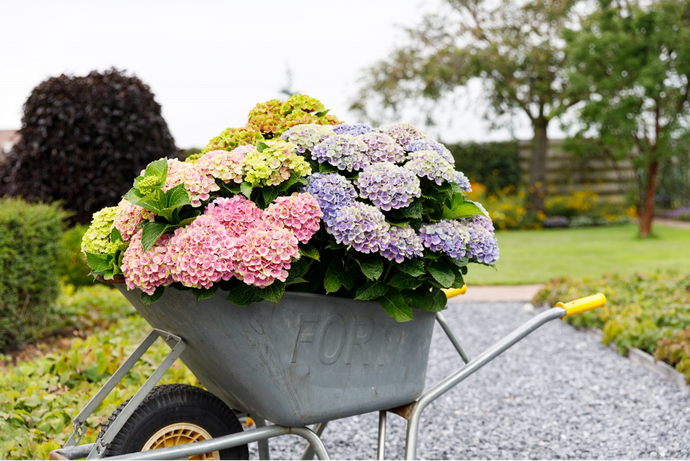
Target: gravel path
556, 394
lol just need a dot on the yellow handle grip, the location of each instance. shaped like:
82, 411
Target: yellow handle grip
455, 291
583, 304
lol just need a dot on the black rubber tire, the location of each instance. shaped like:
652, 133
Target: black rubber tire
170, 404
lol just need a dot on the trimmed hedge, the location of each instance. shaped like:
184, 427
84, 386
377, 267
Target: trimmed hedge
493, 164
29, 283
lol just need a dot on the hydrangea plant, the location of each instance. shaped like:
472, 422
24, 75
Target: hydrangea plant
296, 201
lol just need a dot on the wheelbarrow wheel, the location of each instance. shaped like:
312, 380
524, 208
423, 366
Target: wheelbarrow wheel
176, 414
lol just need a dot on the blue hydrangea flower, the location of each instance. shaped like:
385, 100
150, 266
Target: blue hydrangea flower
448, 236
388, 186
305, 137
354, 129
402, 133
483, 246
428, 164
362, 226
343, 151
404, 243
430, 144
382, 148
332, 192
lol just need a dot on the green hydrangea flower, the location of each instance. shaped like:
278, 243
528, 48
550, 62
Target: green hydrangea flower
273, 117
193, 158
96, 240
148, 184
234, 137
274, 164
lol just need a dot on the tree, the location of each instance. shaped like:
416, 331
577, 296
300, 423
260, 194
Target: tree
514, 48
634, 59
83, 139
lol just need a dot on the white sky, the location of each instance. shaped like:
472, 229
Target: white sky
209, 62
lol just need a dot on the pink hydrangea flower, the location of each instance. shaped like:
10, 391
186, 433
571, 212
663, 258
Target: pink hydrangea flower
197, 184
200, 254
224, 165
128, 216
300, 213
146, 270
237, 214
265, 255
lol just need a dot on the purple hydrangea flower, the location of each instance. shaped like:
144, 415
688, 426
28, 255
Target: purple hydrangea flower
354, 129
388, 186
483, 246
382, 148
448, 236
404, 243
430, 144
428, 164
343, 151
332, 192
402, 133
362, 226
305, 137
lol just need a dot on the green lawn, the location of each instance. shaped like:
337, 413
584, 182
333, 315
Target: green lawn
537, 256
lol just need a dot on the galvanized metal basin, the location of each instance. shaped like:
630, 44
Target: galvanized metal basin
309, 359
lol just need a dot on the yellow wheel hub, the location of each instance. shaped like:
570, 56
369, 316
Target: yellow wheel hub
180, 434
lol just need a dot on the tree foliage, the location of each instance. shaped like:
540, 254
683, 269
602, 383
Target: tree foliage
516, 50
634, 59
83, 139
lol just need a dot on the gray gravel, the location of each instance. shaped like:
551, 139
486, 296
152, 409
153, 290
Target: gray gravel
557, 394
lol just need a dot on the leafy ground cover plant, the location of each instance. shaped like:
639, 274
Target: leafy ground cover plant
648, 311
297, 200
39, 398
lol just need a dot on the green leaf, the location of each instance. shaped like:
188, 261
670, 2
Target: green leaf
371, 290
459, 262
99, 263
459, 281
151, 232
285, 185
159, 169
371, 265
243, 295
273, 292
332, 281
413, 267
413, 211
394, 304
177, 197
347, 279
322, 114
149, 202
148, 299
404, 281
442, 273
327, 168
310, 252
182, 223
269, 194
115, 235
204, 293
333, 245
101, 361
434, 301
246, 189
458, 207
261, 146
295, 281
298, 269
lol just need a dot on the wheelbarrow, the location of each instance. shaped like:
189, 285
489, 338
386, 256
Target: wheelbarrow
307, 361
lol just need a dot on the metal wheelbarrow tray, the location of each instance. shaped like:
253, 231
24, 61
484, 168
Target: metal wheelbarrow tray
308, 360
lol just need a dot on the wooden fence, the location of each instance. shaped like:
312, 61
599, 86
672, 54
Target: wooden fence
567, 173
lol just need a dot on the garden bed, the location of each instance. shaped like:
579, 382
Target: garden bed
649, 313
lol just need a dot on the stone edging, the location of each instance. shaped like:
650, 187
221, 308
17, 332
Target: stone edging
645, 360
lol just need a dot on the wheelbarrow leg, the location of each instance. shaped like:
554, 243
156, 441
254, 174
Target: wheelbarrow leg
381, 449
309, 451
264, 452
413, 411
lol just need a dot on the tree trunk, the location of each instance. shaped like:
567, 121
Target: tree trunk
647, 215
536, 188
